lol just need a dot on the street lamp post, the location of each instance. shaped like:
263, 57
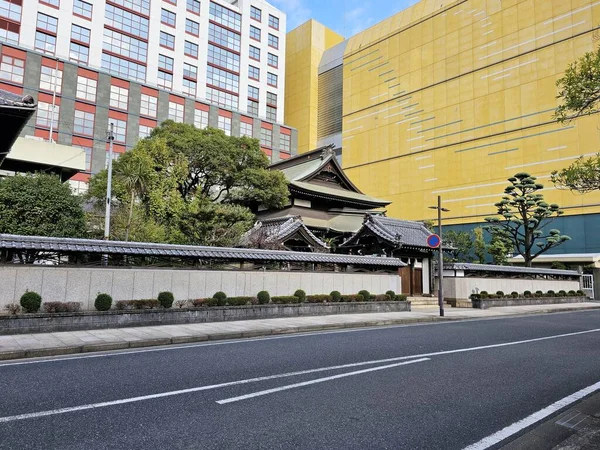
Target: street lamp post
440, 256
110, 137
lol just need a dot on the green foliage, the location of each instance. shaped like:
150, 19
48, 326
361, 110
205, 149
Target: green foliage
365, 295
551, 293
401, 297
483, 294
479, 246
336, 296
499, 248
239, 301
562, 293
461, 243
318, 298
580, 292
220, 296
383, 298
285, 299
581, 177
40, 205
137, 304
31, 301
539, 294
523, 217
391, 293
61, 307
500, 294
300, 294
559, 265
572, 293
514, 294
353, 298
527, 294
263, 297
103, 302
166, 299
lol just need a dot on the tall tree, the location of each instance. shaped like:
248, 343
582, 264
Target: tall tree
524, 215
479, 246
461, 243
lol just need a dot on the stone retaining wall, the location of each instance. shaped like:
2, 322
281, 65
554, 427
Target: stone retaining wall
491, 303
47, 323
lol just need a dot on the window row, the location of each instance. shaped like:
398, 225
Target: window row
126, 21
10, 11
124, 45
224, 16
223, 37
123, 68
256, 14
142, 6
223, 58
222, 79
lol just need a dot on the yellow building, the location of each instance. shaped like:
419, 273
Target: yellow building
451, 99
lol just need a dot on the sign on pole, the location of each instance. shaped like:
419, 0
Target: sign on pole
433, 241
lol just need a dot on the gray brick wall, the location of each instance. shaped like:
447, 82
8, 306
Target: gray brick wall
101, 123
213, 117
163, 106
67, 105
235, 124
133, 119
33, 65
188, 112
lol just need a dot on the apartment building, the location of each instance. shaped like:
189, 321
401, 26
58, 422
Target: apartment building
135, 63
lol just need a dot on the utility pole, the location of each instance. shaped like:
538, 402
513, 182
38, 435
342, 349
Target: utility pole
54, 74
440, 256
110, 137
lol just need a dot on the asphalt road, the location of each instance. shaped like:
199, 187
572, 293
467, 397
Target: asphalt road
436, 386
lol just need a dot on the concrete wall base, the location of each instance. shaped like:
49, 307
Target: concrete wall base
491, 303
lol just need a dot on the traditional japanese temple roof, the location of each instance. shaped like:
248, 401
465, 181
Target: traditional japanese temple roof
15, 112
395, 232
280, 229
318, 174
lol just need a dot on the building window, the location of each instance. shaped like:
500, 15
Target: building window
167, 17
266, 137
223, 58
80, 34
200, 118
79, 53
126, 21
273, 41
255, 52
86, 88
219, 97
165, 63
44, 42
255, 13
190, 71
271, 99
51, 79
224, 37
192, 27
271, 113
84, 123
120, 129
167, 40
225, 16
189, 87
273, 22
148, 105
123, 68
176, 111
272, 60
222, 79
253, 107
124, 45
253, 92
119, 97
46, 116
47, 23
12, 69
225, 125
191, 49
285, 143
271, 79
193, 6
9, 36
255, 33
253, 72
144, 131
54, 3
143, 6
82, 8
10, 10
165, 79
246, 129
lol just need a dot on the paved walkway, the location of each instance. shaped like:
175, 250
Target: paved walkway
60, 343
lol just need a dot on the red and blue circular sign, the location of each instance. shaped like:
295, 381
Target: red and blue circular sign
433, 241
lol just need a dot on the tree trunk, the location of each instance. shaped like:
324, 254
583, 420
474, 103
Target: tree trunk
129, 219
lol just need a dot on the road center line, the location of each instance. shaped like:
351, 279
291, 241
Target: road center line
514, 428
316, 381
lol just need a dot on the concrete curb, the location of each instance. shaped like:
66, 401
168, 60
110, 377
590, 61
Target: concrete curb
140, 343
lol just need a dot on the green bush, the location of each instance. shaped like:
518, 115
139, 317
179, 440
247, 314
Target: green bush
391, 293
562, 293
318, 298
539, 294
239, 301
475, 297
365, 295
353, 298
335, 296
572, 293
285, 299
31, 301
500, 294
514, 294
263, 297
483, 294
580, 293
137, 304
199, 302
300, 294
383, 298
166, 299
220, 299
527, 294
551, 293
401, 297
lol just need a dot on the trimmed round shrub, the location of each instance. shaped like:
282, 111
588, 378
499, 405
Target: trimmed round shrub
392, 294
166, 299
527, 294
500, 294
103, 302
551, 293
483, 294
539, 294
580, 293
365, 295
562, 293
514, 294
300, 294
220, 298
263, 297
336, 296
571, 293
31, 301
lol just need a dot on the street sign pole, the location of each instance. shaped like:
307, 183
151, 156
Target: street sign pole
440, 260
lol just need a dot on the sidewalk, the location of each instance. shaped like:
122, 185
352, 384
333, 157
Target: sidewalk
61, 343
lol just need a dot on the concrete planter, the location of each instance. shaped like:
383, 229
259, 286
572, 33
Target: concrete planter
87, 320
495, 302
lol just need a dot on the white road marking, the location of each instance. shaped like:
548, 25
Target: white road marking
533, 418
316, 381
